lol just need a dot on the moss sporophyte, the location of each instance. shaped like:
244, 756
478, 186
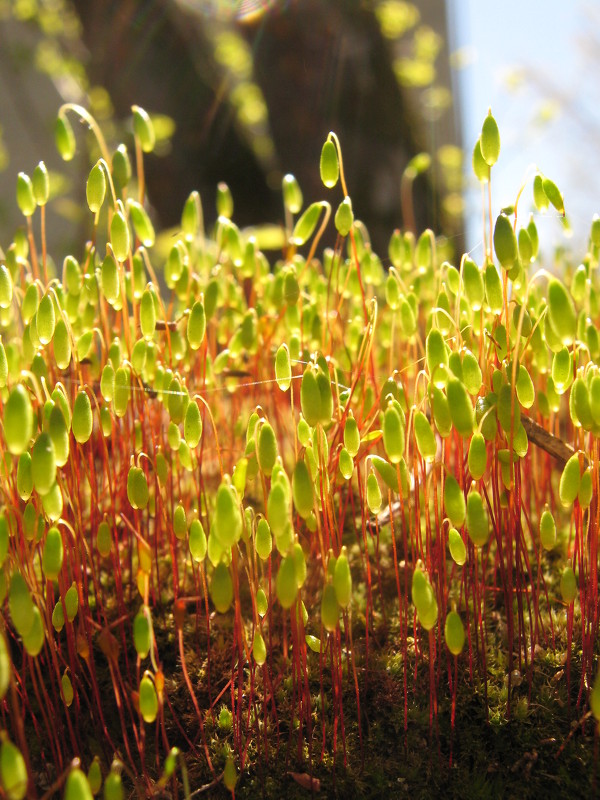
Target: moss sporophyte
245, 493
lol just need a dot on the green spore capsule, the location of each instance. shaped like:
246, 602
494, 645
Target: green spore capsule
586, 489
259, 649
344, 217
227, 519
345, 464
34, 640
306, 224
72, 602
61, 344
148, 699
142, 225
20, 604
562, 370
197, 541
143, 129
192, 424
561, 312
525, 388
329, 164
374, 499
472, 377
94, 775
180, 527
570, 481
547, 530
310, 397
352, 435
45, 320
473, 284
425, 437
13, 771
25, 196
493, 289
41, 184
302, 489
480, 166
109, 280
568, 585
461, 409
82, 421
342, 579
58, 617
505, 242
64, 138
457, 548
142, 632
554, 195
66, 688
138, 493
266, 450
285, 585
6, 287
490, 140
454, 501
326, 397
477, 458
18, 420
5, 666
393, 434
540, 197
196, 326
329, 608
24, 477
283, 368
278, 508
221, 588
43, 464
437, 357
262, 604
579, 404
454, 633
52, 555
95, 189
147, 314
477, 520
119, 236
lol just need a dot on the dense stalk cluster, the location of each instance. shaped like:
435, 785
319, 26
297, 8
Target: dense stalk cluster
220, 478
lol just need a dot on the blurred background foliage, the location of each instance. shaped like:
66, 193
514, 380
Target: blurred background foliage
240, 92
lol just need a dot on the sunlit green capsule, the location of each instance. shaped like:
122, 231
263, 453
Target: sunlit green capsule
119, 236
310, 397
424, 250
471, 373
96, 188
5, 666
562, 370
455, 364
143, 129
61, 343
109, 280
477, 519
278, 508
425, 437
344, 217
302, 489
539, 195
454, 501
490, 140
306, 224
94, 775
224, 200
43, 463
568, 585
82, 421
192, 424
547, 530
147, 314
266, 451
477, 458
579, 404
291, 288
64, 138
392, 290
24, 477
454, 633
58, 617
525, 388
325, 397
329, 165
13, 770
263, 542
570, 481
374, 499
505, 242
286, 586
52, 502
142, 224
440, 410
227, 519
148, 699
345, 464
196, 326
52, 555
437, 357
292, 194
351, 435
262, 604
25, 196
393, 434
6, 287
142, 632
71, 602
20, 604
137, 488
122, 391
342, 580
41, 184
179, 522
561, 312
283, 367
554, 195
329, 608
191, 216
586, 489
299, 563
458, 551
461, 409
473, 284
493, 289
480, 166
